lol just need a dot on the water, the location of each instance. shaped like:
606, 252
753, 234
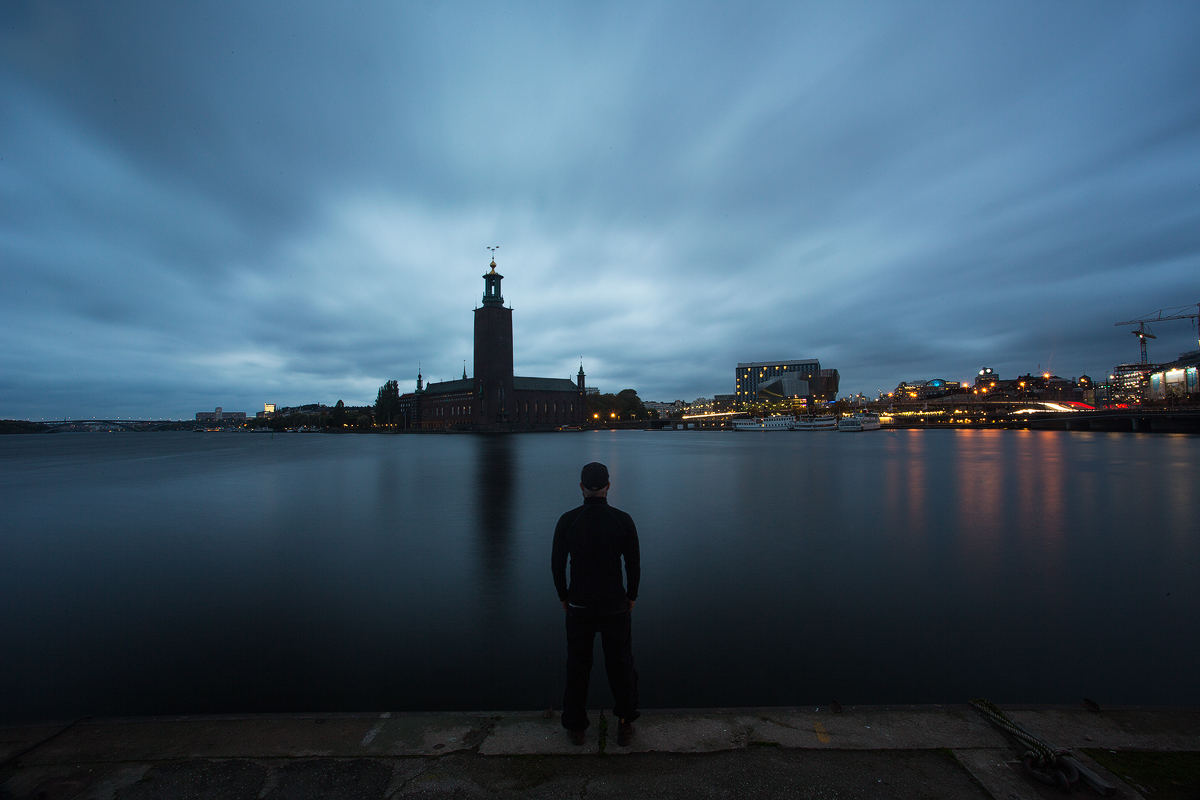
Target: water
214, 573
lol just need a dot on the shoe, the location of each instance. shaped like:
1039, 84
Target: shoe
624, 733
576, 737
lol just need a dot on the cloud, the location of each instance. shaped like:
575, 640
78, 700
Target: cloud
228, 204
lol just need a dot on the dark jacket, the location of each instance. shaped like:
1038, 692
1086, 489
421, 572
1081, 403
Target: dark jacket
596, 536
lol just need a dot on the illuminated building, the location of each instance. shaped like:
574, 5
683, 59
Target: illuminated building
1177, 379
1130, 382
724, 402
926, 390
1028, 387
220, 415
986, 379
663, 409
769, 381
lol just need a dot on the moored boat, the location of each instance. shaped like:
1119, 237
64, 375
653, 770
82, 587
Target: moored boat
864, 421
813, 423
775, 422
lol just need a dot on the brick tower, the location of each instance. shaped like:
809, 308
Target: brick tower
495, 401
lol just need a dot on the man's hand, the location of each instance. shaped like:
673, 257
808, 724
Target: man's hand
565, 608
631, 602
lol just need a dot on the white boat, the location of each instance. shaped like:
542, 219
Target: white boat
859, 422
826, 423
775, 422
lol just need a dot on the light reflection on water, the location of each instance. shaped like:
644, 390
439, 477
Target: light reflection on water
204, 573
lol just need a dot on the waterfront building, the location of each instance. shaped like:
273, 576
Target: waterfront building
663, 409
1052, 387
1180, 378
1098, 394
987, 379
926, 390
1028, 387
770, 374
220, 415
773, 381
1131, 382
494, 398
274, 411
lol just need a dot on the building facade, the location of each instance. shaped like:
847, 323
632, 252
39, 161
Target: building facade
662, 409
495, 398
1028, 387
220, 415
767, 381
1179, 379
1131, 382
926, 390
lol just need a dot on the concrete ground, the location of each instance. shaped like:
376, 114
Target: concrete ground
877, 752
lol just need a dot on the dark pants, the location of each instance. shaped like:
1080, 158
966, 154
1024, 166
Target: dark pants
614, 630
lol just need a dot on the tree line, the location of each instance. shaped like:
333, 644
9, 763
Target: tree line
624, 405
340, 417
387, 404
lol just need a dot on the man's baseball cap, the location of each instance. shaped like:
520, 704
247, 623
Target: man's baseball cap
594, 476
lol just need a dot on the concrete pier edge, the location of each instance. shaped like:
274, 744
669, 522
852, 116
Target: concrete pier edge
941, 750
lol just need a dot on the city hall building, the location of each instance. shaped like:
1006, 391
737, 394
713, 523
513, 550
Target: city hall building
495, 398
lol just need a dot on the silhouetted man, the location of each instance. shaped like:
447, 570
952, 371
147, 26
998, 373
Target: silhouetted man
595, 537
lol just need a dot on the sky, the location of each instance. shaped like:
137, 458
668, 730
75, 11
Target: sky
228, 203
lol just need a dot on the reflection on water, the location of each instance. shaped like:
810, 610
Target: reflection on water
496, 472
914, 489
980, 492
189, 573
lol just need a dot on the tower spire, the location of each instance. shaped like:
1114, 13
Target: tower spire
493, 382
491, 283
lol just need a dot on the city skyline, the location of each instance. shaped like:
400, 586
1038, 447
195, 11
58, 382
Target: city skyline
227, 205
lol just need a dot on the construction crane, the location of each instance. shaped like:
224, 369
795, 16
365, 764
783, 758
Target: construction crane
1143, 333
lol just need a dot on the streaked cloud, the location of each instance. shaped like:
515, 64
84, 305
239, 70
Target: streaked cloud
231, 204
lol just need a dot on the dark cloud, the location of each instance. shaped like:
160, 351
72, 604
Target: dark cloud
228, 204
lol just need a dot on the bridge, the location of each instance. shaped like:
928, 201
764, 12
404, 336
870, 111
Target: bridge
1039, 415
1147, 420
141, 425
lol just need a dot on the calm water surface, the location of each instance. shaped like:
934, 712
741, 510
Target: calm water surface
210, 573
